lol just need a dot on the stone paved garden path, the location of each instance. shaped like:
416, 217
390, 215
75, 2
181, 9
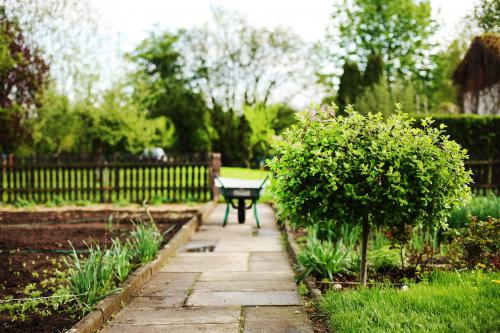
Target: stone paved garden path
244, 285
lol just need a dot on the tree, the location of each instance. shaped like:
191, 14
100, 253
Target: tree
404, 93
380, 97
442, 91
362, 170
374, 70
487, 15
115, 125
399, 30
57, 127
286, 116
235, 64
232, 136
65, 32
261, 120
23, 75
119, 125
163, 89
350, 85
375, 98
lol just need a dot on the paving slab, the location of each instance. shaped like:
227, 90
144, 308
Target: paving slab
222, 263
269, 285
269, 256
270, 266
163, 284
177, 316
266, 244
213, 232
174, 300
223, 298
190, 328
216, 255
245, 276
276, 319
265, 232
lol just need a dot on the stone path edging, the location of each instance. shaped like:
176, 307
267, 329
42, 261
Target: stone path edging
112, 304
293, 249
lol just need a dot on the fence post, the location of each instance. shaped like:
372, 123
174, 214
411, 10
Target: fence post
116, 169
214, 171
101, 169
490, 174
2, 166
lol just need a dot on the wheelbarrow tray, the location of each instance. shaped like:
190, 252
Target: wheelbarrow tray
240, 189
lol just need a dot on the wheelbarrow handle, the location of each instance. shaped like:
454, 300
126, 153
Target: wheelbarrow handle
220, 182
264, 182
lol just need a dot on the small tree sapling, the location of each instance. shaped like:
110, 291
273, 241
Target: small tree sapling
364, 170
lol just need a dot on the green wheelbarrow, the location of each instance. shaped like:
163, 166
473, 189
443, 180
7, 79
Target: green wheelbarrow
240, 190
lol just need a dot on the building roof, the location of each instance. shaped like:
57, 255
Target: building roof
480, 67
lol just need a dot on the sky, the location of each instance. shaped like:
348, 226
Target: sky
125, 23
132, 19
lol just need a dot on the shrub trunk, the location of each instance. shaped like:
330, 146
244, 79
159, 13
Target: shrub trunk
364, 251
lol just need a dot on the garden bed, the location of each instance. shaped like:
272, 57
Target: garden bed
33, 246
438, 298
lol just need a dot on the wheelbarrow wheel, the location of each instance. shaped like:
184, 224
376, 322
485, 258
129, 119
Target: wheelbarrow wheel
241, 211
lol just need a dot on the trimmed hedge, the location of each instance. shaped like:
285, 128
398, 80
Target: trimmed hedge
480, 135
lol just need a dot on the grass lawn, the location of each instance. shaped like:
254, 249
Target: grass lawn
233, 172
446, 302
243, 173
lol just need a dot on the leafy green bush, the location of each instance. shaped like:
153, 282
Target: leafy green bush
479, 134
384, 260
478, 244
481, 207
362, 170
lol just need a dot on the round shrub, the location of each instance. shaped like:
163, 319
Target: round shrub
369, 171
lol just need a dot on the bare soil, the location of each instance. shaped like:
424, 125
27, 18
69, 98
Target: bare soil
33, 244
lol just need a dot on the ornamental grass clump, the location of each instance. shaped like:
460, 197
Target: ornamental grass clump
367, 171
91, 278
322, 258
145, 241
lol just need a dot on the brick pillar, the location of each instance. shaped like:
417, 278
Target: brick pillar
214, 171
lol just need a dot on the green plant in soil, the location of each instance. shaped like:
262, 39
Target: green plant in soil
121, 256
91, 278
88, 278
33, 300
442, 302
322, 258
23, 203
145, 241
367, 171
476, 245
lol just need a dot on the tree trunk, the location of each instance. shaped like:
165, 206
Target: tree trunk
364, 251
